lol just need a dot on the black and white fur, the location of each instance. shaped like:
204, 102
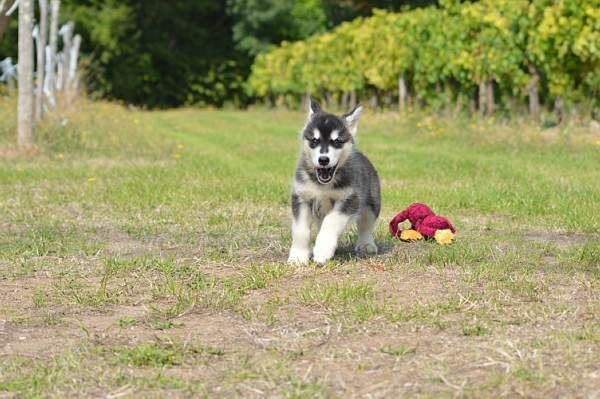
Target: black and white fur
333, 185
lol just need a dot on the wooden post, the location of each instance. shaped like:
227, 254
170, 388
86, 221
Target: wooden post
25, 102
41, 59
401, 94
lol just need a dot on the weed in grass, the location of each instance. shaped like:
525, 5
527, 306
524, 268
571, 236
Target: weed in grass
365, 310
46, 240
126, 322
256, 277
528, 374
266, 310
73, 291
160, 381
342, 293
475, 330
53, 319
354, 300
458, 254
589, 334
398, 351
299, 389
151, 355
430, 313
161, 353
38, 297
164, 324
523, 286
586, 258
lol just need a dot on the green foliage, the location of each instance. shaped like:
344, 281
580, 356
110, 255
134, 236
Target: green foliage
159, 54
446, 50
261, 23
164, 54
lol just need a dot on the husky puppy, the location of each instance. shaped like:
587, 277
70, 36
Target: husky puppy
333, 185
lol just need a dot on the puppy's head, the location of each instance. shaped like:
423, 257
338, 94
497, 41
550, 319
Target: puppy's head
328, 140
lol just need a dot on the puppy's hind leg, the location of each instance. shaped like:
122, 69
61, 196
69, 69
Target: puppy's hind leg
366, 242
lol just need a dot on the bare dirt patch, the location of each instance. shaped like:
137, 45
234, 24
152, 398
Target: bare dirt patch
561, 239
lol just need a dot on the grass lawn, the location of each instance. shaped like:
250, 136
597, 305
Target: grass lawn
142, 254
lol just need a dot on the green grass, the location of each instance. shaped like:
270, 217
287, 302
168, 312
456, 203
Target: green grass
143, 254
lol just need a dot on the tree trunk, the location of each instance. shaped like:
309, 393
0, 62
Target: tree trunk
374, 101
4, 7
305, 101
50, 81
533, 93
25, 106
472, 106
353, 99
559, 109
458, 105
73, 77
482, 97
66, 31
345, 97
388, 99
328, 100
41, 59
401, 94
489, 93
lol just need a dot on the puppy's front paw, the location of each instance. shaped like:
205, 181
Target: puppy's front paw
322, 253
299, 256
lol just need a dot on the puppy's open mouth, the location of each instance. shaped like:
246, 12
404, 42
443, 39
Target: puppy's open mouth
325, 175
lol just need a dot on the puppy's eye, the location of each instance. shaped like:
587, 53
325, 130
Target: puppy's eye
313, 142
338, 142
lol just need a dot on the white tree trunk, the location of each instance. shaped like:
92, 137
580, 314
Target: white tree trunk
25, 106
50, 81
72, 76
66, 31
41, 59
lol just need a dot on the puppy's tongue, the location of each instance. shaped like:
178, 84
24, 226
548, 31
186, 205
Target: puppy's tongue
325, 174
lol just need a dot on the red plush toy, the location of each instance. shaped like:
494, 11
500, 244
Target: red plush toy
423, 222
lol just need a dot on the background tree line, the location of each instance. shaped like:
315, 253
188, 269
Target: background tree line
485, 54
163, 54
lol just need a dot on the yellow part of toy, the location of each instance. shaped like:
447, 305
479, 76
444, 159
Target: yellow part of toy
444, 237
410, 235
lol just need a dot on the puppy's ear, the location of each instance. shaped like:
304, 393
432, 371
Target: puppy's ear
313, 107
351, 119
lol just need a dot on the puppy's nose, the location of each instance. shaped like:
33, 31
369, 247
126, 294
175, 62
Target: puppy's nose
323, 161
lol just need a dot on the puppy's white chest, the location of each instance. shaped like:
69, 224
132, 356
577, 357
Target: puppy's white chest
321, 197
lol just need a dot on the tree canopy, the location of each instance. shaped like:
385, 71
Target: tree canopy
163, 54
